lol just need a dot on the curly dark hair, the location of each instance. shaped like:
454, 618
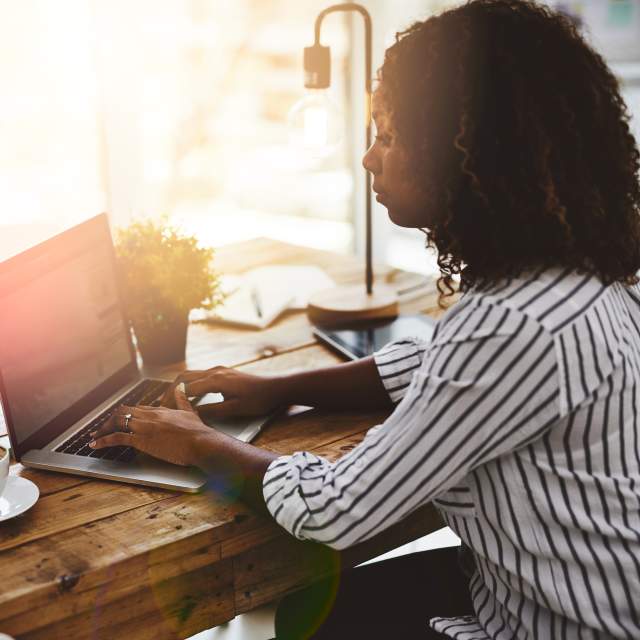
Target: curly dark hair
521, 138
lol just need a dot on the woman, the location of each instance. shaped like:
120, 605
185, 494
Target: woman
503, 135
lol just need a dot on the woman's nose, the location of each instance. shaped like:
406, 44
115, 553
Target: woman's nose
369, 161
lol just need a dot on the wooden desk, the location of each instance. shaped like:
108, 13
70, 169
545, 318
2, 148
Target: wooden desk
96, 559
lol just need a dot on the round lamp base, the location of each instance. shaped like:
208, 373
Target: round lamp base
342, 305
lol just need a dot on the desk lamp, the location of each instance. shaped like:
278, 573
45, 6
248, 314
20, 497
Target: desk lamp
344, 304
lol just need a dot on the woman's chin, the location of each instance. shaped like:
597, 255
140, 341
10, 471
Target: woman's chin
408, 218
400, 219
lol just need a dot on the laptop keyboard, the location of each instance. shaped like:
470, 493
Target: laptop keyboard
78, 444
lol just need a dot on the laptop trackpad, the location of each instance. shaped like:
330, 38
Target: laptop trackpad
245, 429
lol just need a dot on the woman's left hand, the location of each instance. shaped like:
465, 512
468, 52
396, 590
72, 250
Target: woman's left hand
174, 435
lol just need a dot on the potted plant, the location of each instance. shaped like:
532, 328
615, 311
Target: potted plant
163, 275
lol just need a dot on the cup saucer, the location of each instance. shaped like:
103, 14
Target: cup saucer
19, 495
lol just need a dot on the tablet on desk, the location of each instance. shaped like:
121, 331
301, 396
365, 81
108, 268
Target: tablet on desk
361, 340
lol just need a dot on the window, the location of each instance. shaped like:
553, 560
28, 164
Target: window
197, 95
174, 107
50, 157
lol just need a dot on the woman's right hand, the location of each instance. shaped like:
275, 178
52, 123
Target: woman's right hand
244, 394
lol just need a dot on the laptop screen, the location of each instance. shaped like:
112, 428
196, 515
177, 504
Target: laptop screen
63, 336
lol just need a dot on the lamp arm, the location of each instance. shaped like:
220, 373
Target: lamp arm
352, 6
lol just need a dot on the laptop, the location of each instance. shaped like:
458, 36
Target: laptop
67, 361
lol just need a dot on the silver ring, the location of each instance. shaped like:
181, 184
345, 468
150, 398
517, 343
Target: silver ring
127, 417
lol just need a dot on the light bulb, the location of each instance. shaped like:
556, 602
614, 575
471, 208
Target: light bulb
315, 125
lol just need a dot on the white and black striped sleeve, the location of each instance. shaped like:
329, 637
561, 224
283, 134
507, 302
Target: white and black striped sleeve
485, 388
397, 362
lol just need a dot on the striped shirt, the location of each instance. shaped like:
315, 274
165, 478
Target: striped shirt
520, 422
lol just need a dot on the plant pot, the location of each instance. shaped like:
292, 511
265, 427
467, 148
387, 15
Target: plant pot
165, 343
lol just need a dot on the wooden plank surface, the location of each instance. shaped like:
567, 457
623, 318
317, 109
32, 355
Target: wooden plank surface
74, 507
103, 560
100, 562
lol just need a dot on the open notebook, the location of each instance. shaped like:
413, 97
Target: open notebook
256, 298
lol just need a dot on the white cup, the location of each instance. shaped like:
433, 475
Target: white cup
4, 469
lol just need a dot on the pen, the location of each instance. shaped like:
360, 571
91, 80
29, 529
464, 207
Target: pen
255, 298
